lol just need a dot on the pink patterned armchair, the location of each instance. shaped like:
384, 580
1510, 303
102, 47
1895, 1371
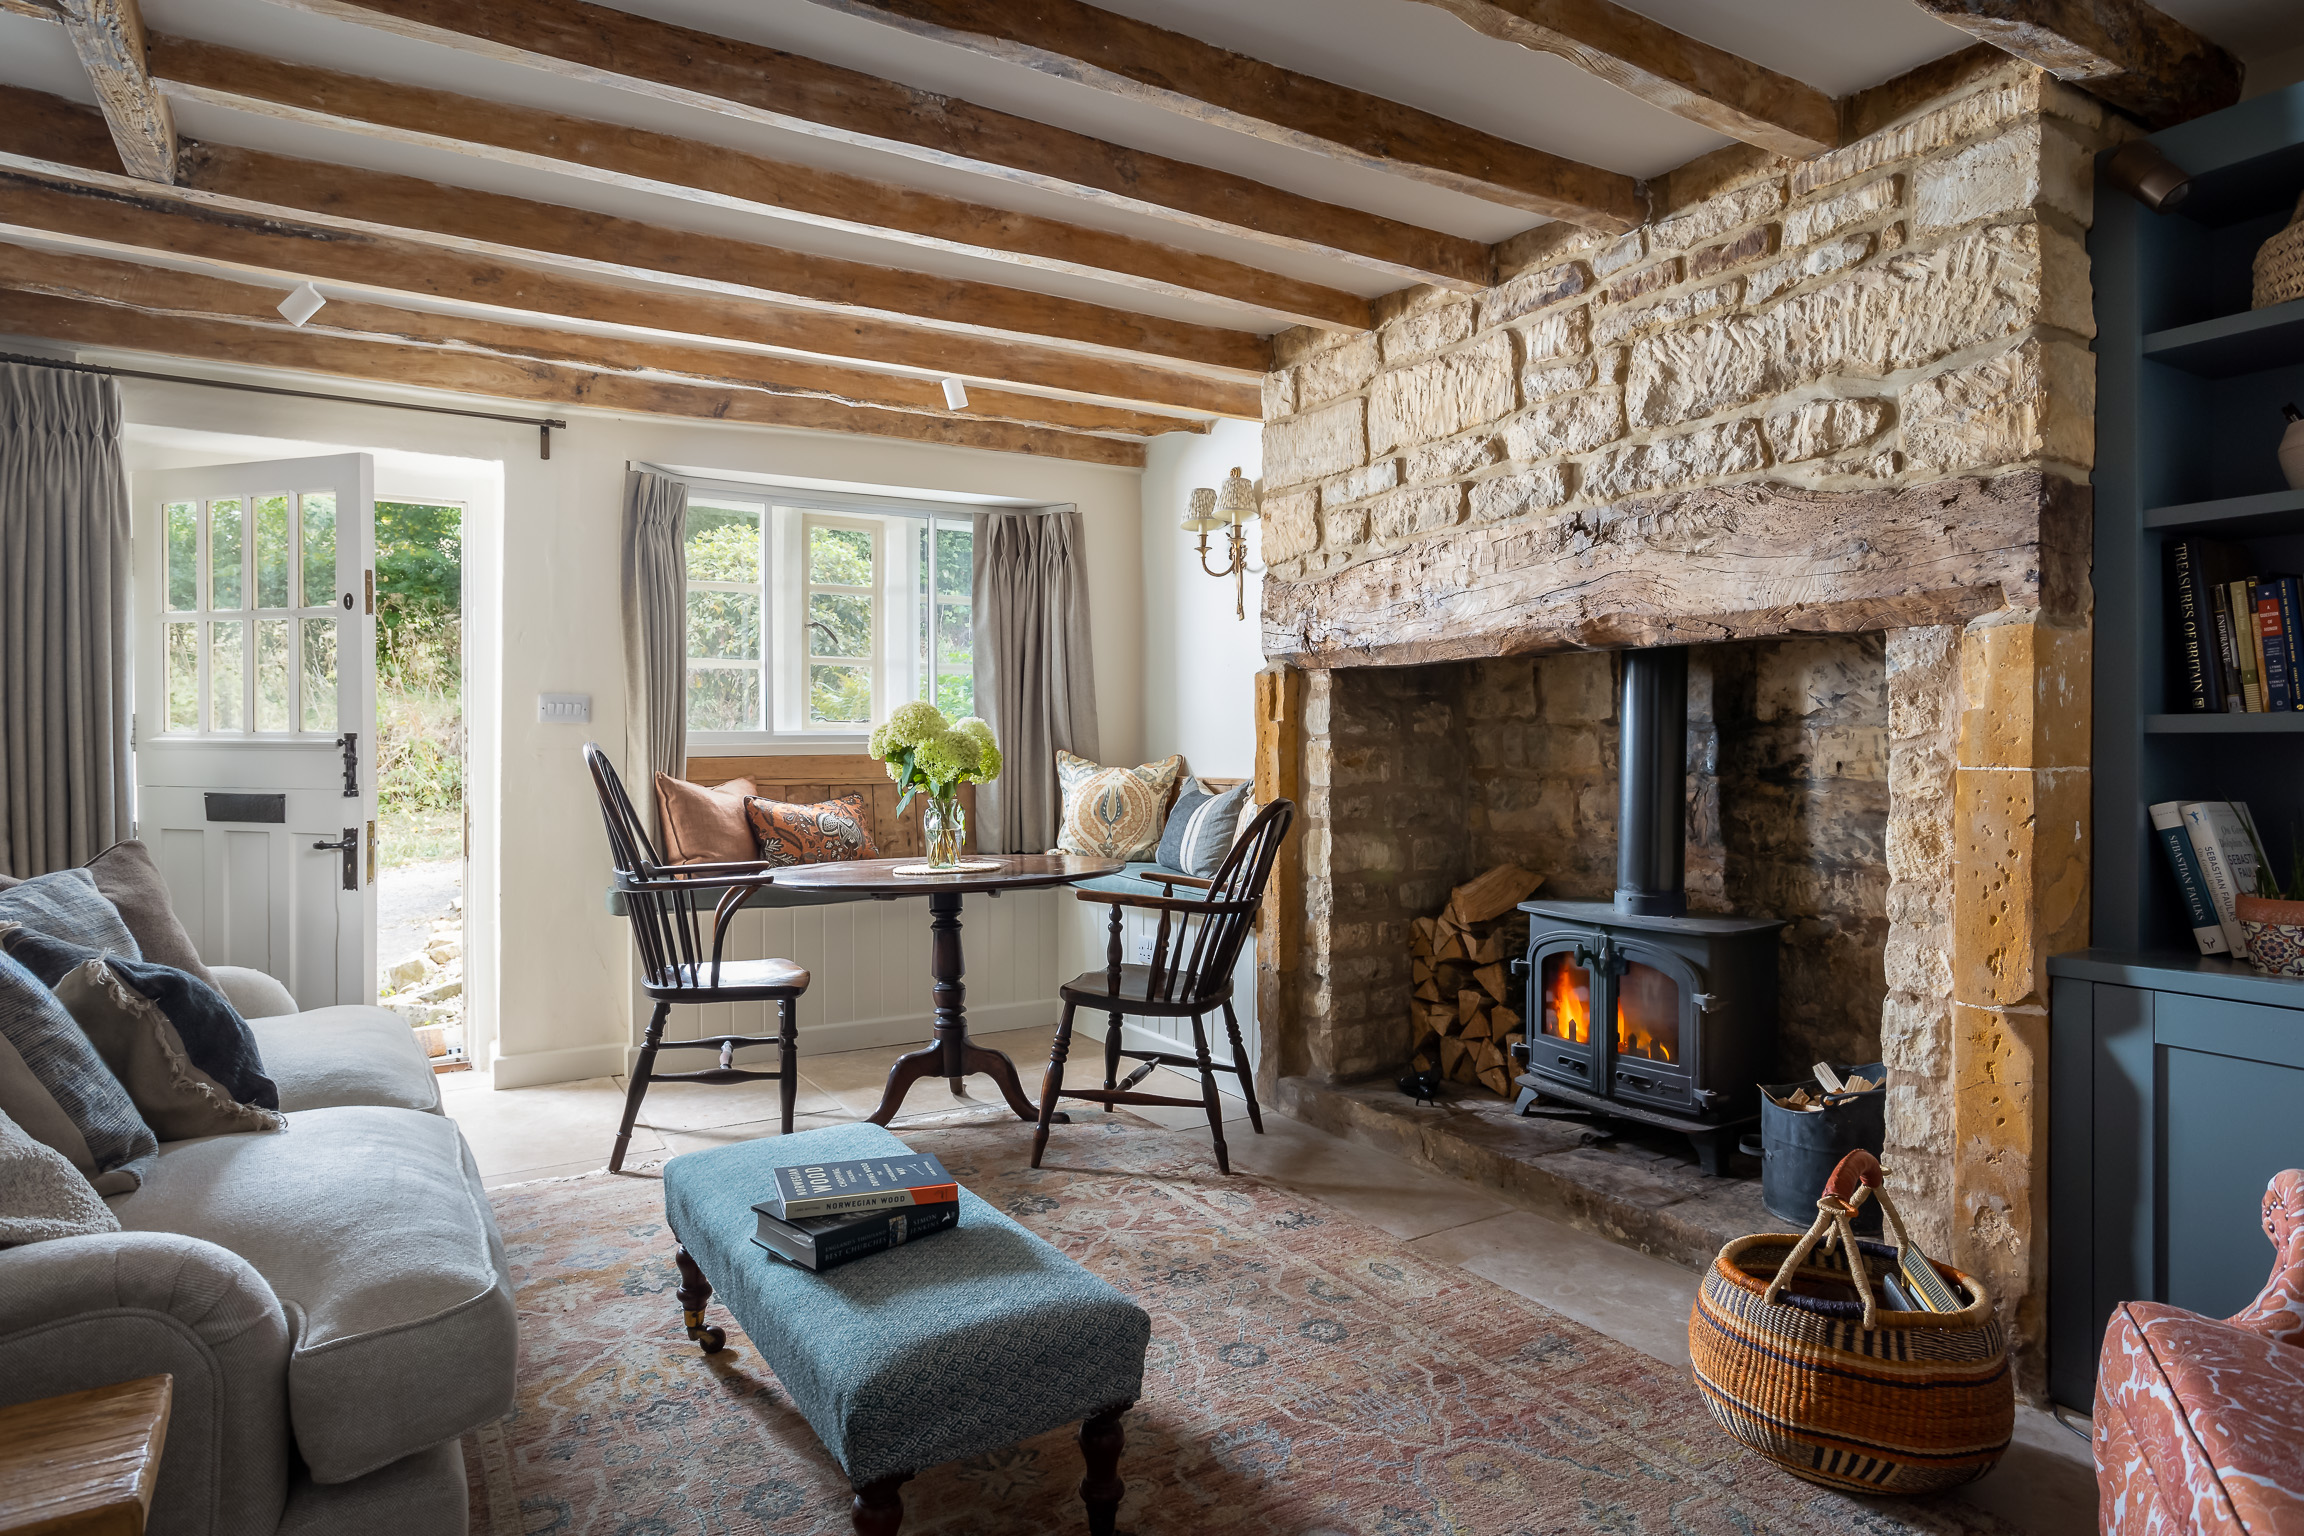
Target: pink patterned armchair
2200, 1424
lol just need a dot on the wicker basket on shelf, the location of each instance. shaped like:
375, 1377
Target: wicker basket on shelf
1842, 1391
2280, 264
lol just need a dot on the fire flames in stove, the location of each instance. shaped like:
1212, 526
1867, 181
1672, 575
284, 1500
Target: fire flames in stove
1647, 1010
1567, 1005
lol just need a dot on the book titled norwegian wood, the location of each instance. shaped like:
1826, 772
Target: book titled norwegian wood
820, 1243
860, 1184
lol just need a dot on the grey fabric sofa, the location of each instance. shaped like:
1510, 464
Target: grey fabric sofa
332, 1299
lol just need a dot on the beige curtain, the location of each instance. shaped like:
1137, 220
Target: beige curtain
1035, 679
655, 630
63, 619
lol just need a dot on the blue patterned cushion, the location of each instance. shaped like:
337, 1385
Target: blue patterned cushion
959, 1344
1200, 830
119, 1142
66, 905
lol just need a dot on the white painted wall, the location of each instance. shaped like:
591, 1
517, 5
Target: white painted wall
560, 995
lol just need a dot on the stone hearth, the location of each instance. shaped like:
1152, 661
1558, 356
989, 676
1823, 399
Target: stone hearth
1826, 423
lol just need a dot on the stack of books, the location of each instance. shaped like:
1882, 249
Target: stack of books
2211, 844
824, 1215
2236, 636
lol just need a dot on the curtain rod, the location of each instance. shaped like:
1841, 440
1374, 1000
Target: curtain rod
542, 424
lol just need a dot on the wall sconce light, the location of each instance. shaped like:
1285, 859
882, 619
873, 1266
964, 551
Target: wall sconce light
303, 304
2142, 170
1230, 507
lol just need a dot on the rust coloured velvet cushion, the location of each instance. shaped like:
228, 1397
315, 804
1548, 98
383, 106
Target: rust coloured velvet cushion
827, 832
704, 824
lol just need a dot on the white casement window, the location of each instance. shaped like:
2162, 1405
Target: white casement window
249, 637
813, 622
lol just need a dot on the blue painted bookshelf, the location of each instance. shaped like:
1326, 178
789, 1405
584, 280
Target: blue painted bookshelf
2174, 1080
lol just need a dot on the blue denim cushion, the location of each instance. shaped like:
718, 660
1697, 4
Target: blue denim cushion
215, 1037
75, 1076
66, 905
958, 1344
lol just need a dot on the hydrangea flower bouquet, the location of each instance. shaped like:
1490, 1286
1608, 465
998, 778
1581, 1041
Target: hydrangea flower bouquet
928, 754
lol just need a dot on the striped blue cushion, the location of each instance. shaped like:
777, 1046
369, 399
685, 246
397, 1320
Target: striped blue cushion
75, 1076
1200, 830
66, 905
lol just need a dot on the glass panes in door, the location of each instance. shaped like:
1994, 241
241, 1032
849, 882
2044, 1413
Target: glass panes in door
248, 641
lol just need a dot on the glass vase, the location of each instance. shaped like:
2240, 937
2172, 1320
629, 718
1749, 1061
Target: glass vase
946, 825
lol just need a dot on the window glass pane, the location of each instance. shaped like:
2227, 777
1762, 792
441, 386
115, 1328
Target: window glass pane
956, 694
320, 675
274, 688
183, 661
184, 557
839, 695
725, 625
956, 637
840, 557
839, 625
723, 543
723, 698
955, 559
271, 551
224, 554
319, 510
224, 676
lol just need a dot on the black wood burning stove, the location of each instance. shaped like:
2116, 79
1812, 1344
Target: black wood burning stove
1634, 1008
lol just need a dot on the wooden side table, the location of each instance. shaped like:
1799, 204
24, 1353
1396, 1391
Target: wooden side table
83, 1464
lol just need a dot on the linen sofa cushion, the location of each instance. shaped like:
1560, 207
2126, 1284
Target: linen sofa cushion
27, 1101
958, 1345
371, 1227
346, 1054
214, 1037
120, 1145
1113, 813
67, 905
827, 832
133, 884
252, 994
1201, 829
704, 823
42, 1196
143, 1049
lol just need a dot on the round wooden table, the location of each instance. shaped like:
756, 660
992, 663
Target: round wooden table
951, 1055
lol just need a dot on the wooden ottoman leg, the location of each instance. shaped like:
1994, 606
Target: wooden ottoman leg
1101, 1441
694, 1291
879, 1507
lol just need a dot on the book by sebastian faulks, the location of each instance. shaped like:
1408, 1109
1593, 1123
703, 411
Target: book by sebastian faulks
820, 1243
859, 1184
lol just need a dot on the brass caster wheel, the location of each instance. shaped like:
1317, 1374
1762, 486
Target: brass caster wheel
711, 1340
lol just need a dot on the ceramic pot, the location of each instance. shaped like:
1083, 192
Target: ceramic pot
2275, 931
2292, 455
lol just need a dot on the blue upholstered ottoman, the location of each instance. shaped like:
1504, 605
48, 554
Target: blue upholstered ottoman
957, 1344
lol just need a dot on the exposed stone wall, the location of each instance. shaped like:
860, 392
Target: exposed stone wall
1903, 310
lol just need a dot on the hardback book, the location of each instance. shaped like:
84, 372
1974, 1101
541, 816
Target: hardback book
2227, 652
861, 1184
2196, 677
2273, 640
820, 1243
2220, 834
2248, 656
2191, 883
2290, 592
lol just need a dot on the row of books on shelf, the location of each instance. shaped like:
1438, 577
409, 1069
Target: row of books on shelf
823, 1215
2237, 636
2213, 847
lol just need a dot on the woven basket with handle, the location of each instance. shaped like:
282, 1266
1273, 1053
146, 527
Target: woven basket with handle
2280, 264
1800, 1358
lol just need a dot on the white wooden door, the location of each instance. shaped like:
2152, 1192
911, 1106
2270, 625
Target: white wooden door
256, 714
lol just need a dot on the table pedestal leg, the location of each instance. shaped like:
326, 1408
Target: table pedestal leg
952, 1055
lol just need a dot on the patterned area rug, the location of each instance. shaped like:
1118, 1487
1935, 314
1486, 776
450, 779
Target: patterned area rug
1308, 1374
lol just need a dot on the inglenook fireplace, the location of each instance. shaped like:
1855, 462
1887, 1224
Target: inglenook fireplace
1636, 1009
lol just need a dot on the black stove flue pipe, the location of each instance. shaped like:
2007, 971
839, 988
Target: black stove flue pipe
1652, 783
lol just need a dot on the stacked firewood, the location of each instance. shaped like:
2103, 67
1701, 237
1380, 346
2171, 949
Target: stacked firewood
1462, 1017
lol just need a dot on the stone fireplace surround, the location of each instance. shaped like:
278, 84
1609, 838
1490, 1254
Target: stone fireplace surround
1859, 494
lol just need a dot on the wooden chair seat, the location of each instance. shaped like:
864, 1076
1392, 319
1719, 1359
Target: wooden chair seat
732, 981
1189, 977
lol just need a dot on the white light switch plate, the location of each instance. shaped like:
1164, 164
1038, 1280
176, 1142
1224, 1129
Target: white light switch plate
564, 708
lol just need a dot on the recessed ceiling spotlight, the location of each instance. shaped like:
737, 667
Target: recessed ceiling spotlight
303, 304
956, 394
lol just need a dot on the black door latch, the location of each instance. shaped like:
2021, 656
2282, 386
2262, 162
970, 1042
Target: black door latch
349, 846
349, 744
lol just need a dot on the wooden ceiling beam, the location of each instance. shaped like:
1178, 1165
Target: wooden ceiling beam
2141, 60
196, 296
1144, 63
81, 323
1668, 69
715, 175
616, 49
38, 10
108, 35
53, 178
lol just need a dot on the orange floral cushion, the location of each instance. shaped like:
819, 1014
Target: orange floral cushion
824, 833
